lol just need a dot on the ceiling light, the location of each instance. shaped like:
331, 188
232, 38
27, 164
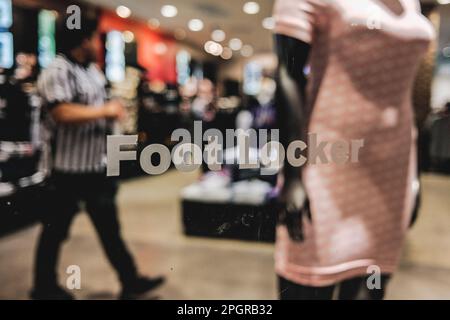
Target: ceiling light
247, 51
213, 48
153, 23
209, 45
195, 25
251, 7
128, 36
227, 53
169, 11
217, 50
218, 35
235, 44
123, 12
269, 23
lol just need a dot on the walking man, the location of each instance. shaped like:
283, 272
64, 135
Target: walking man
73, 90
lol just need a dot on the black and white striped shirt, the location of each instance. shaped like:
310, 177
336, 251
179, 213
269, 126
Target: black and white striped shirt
76, 148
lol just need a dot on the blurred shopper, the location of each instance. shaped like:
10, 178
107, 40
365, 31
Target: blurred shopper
341, 223
203, 106
73, 90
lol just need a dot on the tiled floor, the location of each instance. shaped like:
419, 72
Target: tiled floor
215, 269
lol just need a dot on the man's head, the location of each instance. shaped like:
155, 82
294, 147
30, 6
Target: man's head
80, 43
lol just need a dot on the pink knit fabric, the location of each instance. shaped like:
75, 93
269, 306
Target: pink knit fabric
363, 63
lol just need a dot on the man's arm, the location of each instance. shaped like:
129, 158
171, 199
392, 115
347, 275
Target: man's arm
76, 113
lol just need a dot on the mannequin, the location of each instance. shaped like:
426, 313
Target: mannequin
336, 222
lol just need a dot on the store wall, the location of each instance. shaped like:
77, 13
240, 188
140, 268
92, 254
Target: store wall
234, 69
24, 29
161, 64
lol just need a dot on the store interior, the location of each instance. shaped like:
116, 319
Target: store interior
210, 234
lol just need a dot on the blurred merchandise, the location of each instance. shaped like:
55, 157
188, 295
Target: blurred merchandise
127, 92
23, 167
20, 129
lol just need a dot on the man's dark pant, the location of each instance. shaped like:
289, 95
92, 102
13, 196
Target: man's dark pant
98, 193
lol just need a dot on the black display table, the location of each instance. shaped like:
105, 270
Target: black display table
229, 220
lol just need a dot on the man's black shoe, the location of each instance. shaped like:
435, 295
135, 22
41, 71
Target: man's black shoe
140, 286
53, 293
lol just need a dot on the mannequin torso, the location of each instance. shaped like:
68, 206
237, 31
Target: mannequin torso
364, 56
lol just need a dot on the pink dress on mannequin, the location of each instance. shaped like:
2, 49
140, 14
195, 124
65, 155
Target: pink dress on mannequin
364, 58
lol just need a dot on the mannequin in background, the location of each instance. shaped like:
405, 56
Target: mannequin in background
262, 107
339, 222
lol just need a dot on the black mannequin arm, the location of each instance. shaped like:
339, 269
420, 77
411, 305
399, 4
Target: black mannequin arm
293, 55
